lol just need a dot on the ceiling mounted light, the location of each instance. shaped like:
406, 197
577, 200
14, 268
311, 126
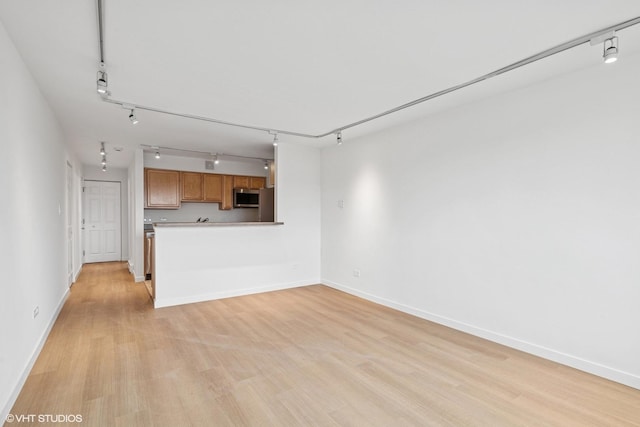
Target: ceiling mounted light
339, 138
102, 150
275, 139
157, 156
102, 83
104, 168
266, 165
610, 48
104, 160
132, 117
216, 161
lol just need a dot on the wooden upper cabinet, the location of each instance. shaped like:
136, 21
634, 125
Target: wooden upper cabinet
257, 182
240, 181
162, 189
251, 182
166, 189
228, 182
192, 186
212, 187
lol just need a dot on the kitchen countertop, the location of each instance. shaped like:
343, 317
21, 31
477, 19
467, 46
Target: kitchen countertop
212, 224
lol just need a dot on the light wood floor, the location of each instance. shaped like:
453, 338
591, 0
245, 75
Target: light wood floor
305, 356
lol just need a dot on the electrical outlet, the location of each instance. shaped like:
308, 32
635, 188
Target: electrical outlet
356, 273
36, 311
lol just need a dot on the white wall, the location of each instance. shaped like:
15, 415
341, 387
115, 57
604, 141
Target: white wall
516, 218
206, 262
135, 193
33, 248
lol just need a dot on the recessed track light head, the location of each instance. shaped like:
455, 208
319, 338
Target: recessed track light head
610, 50
102, 84
132, 117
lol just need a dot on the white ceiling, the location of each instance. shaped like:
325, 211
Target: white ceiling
303, 66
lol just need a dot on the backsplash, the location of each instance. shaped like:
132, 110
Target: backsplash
190, 212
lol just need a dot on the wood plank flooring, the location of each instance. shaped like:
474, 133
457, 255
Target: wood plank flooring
304, 356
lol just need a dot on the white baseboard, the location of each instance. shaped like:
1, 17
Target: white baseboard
77, 273
32, 360
594, 368
168, 302
132, 270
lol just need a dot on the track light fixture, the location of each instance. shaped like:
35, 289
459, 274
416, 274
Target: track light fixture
216, 161
104, 168
610, 54
266, 165
102, 150
157, 156
132, 117
610, 50
104, 160
275, 139
102, 82
339, 137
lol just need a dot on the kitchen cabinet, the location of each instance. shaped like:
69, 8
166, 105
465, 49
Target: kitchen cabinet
212, 187
227, 192
240, 181
201, 187
250, 182
147, 256
166, 189
162, 189
192, 186
257, 182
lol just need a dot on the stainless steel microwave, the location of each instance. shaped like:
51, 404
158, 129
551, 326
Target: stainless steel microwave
244, 198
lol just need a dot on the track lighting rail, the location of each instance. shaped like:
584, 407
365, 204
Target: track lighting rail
130, 105
100, 30
337, 131
200, 154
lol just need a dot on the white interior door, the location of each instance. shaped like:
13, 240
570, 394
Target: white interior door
101, 221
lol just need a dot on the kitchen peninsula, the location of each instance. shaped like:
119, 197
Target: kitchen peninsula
204, 261
208, 242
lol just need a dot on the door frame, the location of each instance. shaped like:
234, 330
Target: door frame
70, 225
83, 230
